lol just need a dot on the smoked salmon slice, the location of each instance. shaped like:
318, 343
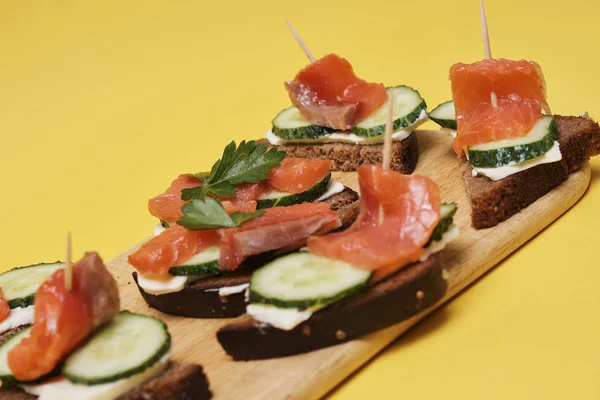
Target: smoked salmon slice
411, 211
4, 307
278, 228
296, 175
328, 93
173, 246
64, 318
521, 91
245, 197
167, 206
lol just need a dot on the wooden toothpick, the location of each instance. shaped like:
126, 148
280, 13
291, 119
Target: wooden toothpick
300, 42
68, 264
486, 45
488, 53
484, 31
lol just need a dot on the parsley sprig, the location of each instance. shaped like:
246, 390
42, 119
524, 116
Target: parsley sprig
249, 162
210, 214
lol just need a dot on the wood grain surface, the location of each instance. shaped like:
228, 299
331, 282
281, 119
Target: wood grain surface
312, 375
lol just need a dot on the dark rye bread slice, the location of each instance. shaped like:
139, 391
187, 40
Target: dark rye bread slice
495, 201
201, 299
178, 381
395, 299
347, 157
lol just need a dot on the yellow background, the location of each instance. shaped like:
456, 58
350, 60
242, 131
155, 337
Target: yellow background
103, 103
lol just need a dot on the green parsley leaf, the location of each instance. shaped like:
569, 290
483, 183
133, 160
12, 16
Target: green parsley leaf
249, 162
239, 217
210, 214
197, 192
221, 189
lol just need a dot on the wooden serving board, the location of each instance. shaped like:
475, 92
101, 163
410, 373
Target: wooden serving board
312, 375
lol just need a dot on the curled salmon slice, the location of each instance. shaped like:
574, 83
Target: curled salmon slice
173, 246
296, 175
385, 243
328, 93
521, 92
64, 318
278, 228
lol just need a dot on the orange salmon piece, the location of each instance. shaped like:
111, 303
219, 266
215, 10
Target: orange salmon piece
411, 211
296, 175
521, 91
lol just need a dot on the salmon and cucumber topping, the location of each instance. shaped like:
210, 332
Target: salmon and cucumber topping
209, 241
401, 222
79, 344
253, 204
246, 178
500, 127
331, 104
206, 261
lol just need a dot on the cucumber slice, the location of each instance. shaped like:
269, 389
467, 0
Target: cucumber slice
204, 263
444, 115
536, 143
447, 211
20, 284
287, 199
6, 375
408, 105
289, 124
126, 346
302, 280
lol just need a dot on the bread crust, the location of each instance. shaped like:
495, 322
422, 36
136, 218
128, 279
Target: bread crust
579, 140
